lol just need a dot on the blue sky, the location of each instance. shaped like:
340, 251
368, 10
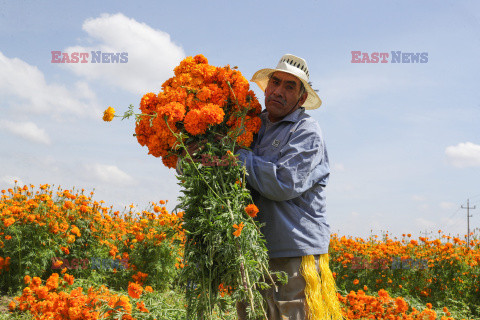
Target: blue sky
403, 138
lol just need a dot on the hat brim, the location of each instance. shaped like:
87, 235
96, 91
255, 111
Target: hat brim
262, 76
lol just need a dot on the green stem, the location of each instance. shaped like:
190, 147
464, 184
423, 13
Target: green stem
191, 159
244, 274
243, 271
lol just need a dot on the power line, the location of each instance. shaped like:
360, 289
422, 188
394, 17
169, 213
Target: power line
476, 203
456, 223
475, 196
455, 213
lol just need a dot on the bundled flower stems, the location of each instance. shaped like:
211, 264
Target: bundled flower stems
198, 119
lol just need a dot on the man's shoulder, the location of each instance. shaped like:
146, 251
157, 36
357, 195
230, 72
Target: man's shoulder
308, 123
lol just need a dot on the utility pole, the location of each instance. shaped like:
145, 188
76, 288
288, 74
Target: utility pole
468, 220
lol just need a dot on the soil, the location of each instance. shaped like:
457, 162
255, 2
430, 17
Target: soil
4, 301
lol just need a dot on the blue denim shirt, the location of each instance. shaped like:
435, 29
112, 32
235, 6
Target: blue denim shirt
288, 170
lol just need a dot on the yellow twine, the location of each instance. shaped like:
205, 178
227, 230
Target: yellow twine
320, 292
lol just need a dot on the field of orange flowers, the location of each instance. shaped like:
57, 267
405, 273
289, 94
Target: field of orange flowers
64, 255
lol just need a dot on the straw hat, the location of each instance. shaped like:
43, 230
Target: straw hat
295, 66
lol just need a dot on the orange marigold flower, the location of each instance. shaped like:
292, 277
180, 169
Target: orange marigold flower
401, 304
5, 263
67, 205
141, 307
134, 290
148, 289
197, 121
12, 305
429, 305
57, 264
148, 102
139, 277
8, 222
27, 279
238, 229
251, 210
75, 231
68, 278
124, 302
108, 114
424, 293
170, 161
200, 59
173, 111
383, 294
52, 281
41, 292
36, 281
75, 313
356, 281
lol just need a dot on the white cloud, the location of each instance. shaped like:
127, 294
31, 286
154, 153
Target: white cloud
109, 174
151, 53
23, 85
26, 130
465, 154
10, 181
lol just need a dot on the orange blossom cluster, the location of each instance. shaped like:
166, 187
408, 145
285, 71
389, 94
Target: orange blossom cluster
51, 301
198, 99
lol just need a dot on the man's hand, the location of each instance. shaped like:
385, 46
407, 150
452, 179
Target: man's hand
194, 148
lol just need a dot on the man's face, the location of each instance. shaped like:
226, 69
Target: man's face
282, 95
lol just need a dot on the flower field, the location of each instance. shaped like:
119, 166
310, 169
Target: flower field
64, 255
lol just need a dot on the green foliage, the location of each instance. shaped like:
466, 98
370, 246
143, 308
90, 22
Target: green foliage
77, 230
430, 272
214, 199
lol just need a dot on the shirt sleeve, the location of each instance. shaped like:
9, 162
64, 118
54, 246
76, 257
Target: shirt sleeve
301, 164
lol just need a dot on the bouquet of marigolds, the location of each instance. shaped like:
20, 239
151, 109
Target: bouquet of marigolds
198, 120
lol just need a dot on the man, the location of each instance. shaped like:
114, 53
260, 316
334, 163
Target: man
288, 170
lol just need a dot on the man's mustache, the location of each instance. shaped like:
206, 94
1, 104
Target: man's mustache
277, 99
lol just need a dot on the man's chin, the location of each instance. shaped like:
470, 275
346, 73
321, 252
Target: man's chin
271, 108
